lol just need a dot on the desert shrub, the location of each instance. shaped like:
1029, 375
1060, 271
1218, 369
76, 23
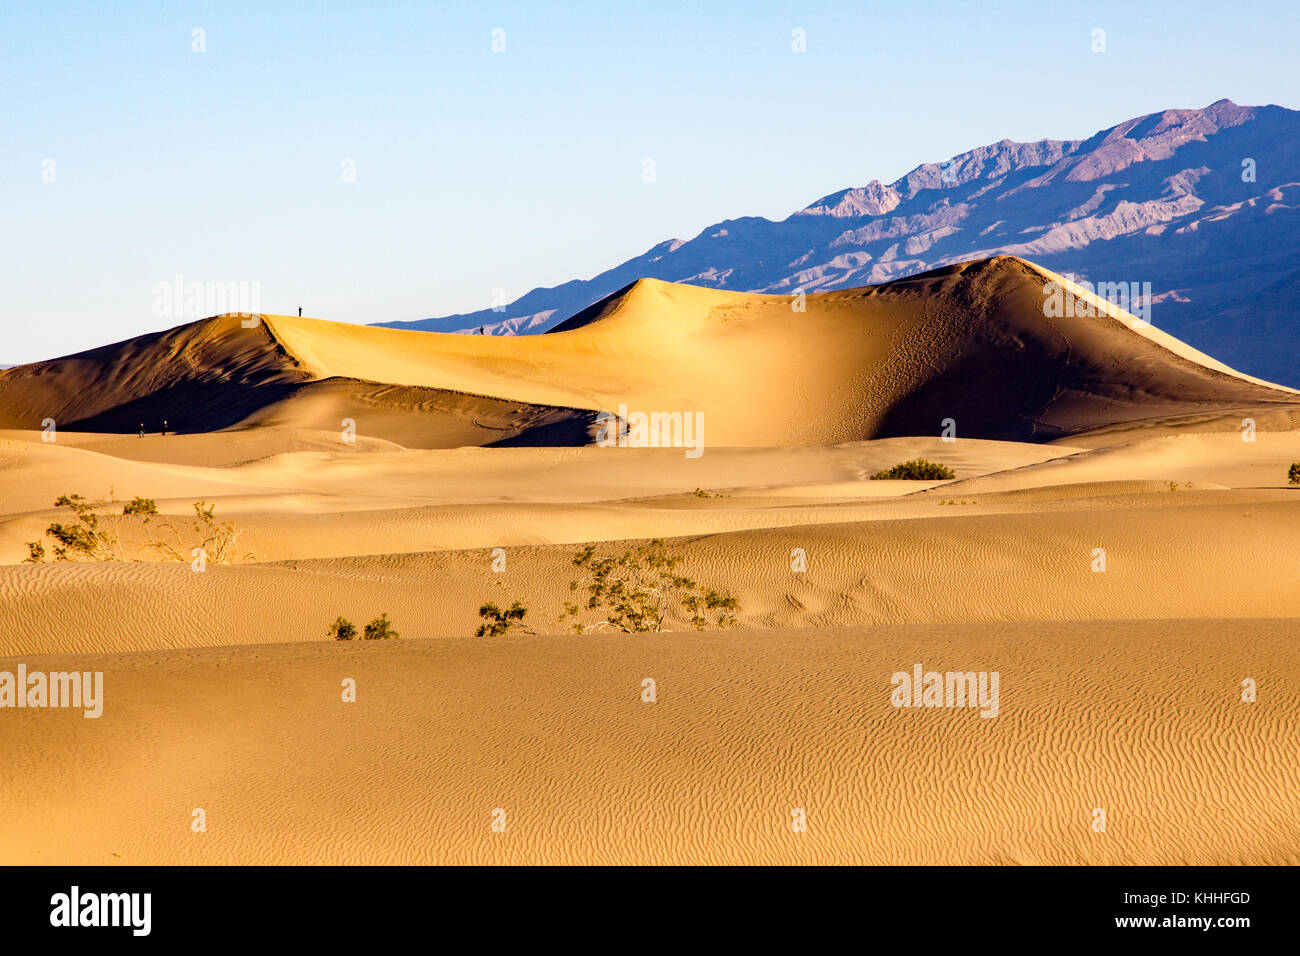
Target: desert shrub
1293, 475
497, 622
918, 469
218, 538
91, 536
637, 590
94, 532
342, 629
381, 629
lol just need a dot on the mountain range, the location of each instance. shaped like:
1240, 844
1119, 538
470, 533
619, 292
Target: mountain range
1203, 204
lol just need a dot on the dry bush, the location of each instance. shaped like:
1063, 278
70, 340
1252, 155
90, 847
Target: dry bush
96, 531
638, 590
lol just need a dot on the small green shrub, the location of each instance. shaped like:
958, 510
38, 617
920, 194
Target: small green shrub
637, 590
381, 629
1293, 476
497, 622
918, 469
343, 630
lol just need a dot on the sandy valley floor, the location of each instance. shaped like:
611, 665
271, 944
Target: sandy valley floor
1119, 690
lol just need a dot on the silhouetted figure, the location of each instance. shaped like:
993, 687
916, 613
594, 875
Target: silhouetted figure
300, 312
480, 329
164, 431
142, 429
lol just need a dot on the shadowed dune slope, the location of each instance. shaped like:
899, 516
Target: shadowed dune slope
200, 376
217, 373
969, 342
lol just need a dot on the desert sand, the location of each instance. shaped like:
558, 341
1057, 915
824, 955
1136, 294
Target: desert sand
1121, 689
747, 726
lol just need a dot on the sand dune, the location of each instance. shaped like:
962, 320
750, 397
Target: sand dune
1219, 459
279, 459
747, 726
1075, 436
985, 559
970, 342
218, 373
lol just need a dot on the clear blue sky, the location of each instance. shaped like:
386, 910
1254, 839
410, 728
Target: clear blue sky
478, 171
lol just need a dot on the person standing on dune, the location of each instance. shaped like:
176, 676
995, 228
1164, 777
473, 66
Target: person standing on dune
300, 312
142, 429
164, 428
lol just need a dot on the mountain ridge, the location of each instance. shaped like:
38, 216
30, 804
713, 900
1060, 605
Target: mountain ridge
1160, 198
